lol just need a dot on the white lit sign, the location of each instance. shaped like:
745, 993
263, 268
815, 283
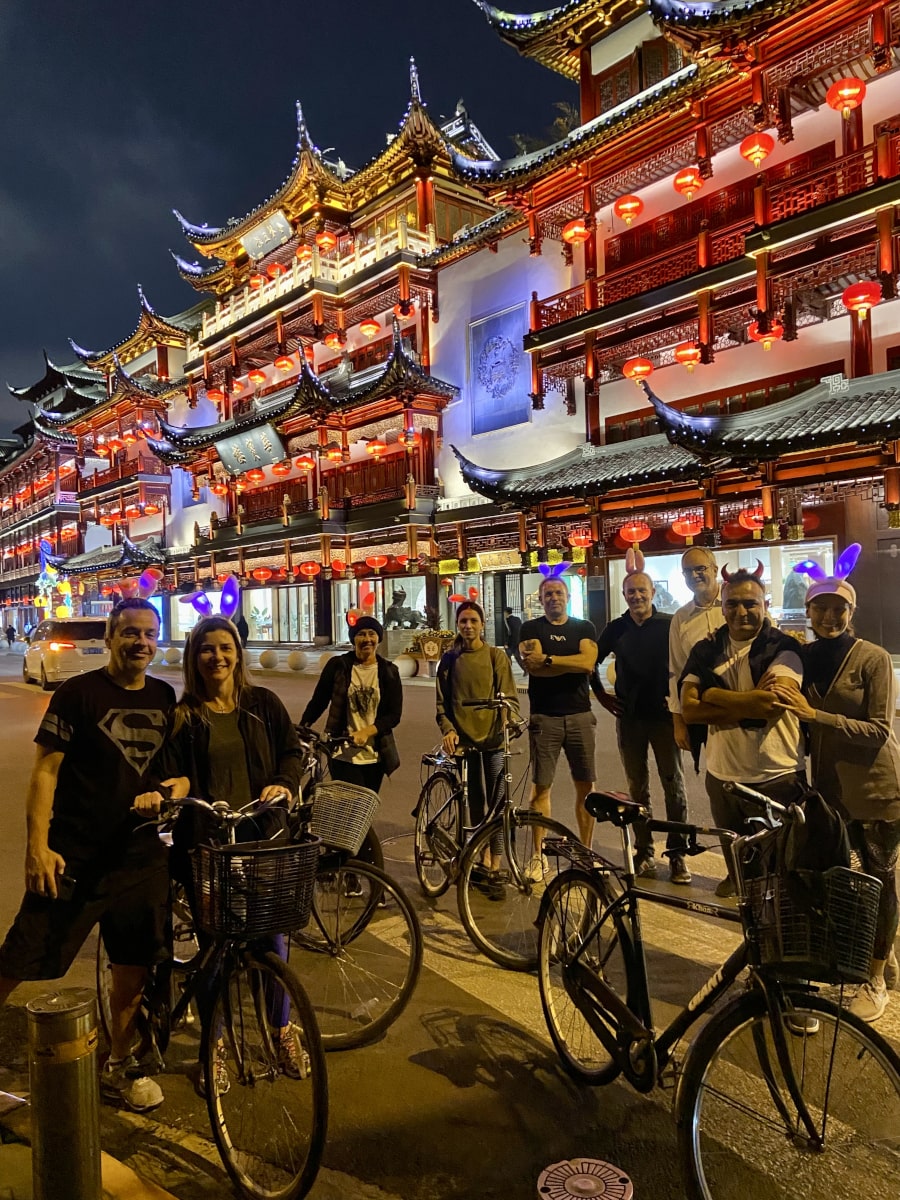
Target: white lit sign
266, 236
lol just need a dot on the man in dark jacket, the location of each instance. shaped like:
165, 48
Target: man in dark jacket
513, 626
640, 641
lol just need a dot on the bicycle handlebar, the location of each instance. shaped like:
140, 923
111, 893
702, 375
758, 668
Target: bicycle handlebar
793, 811
497, 702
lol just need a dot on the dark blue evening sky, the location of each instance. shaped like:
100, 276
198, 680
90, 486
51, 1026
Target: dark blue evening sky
114, 113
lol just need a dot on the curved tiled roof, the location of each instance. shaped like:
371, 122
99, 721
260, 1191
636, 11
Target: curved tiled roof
586, 471
862, 412
484, 232
76, 381
151, 328
705, 13
109, 558
653, 101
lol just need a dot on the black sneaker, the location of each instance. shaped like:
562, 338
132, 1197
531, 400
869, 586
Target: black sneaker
678, 872
352, 886
725, 889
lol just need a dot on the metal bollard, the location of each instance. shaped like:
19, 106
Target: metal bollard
65, 1095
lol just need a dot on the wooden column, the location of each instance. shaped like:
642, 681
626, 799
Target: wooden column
705, 326
587, 97
884, 224
860, 346
593, 426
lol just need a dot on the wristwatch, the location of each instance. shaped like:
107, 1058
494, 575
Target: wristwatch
548, 660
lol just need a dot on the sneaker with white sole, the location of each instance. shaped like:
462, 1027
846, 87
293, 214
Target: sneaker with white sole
293, 1061
870, 1001
123, 1082
678, 872
802, 1025
645, 866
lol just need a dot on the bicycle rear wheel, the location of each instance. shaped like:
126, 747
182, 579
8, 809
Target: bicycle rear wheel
573, 923
438, 833
362, 953
734, 1142
499, 915
267, 1092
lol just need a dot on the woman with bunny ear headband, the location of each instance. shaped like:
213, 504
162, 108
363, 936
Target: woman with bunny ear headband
848, 701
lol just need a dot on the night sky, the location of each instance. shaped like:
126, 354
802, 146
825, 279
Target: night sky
115, 112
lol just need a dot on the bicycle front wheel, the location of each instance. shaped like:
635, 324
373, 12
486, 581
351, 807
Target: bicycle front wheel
266, 1088
576, 928
499, 914
363, 954
739, 1133
438, 833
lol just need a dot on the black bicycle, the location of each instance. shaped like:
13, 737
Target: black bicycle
783, 1093
498, 908
261, 1054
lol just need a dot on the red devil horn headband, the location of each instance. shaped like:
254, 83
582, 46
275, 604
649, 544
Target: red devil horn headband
757, 574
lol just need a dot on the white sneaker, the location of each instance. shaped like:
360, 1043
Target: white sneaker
870, 1001
536, 868
137, 1092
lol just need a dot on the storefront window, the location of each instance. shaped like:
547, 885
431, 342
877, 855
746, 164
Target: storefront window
295, 614
184, 616
404, 598
259, 607
365, 595
786, 589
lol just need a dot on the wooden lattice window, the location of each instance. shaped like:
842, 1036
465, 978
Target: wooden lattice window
659, 60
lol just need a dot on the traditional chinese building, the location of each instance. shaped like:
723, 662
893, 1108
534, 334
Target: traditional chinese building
722, 227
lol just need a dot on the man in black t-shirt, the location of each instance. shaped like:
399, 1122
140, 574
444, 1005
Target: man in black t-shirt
640, 641
558, 652
86, 859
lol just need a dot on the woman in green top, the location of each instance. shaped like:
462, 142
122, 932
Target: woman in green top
473, 670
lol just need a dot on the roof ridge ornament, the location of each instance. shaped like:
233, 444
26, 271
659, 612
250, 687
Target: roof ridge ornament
415, 91
304, 140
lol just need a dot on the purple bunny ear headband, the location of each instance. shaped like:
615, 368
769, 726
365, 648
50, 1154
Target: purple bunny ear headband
837, 584
228, 604
555, 571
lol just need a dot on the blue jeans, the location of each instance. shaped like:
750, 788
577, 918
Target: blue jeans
636, 737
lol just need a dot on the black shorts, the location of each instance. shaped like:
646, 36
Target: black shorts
129, 903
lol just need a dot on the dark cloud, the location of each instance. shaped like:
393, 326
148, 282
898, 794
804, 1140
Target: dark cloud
116, 113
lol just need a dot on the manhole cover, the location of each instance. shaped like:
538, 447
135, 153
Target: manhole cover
584, 1177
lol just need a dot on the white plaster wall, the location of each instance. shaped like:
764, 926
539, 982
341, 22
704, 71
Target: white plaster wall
476, 287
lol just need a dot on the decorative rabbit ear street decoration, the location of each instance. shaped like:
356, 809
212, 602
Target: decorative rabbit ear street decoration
757, 574
229, 601
555, 571
634, 562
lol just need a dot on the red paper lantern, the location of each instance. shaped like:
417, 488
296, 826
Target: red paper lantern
273, 270
304, 252
241, 485
219, 489
580, 539
687, 527
216, 394
282, 468
376, 447
410, 438
257, 376
255, 475
635, 531
369, 327
637, 369
222, 576
257, 279
102, 449
262, 574
845, 95
752, 519
402, 559
377, 561
688, 354
310, 569
757, 147
284, 362
305, 462
860, 297
132, 512
131, 437
326, 240
333, 452
236, 386
774, 333
688, 182
576, 232
151, 509
338, 564
114, 443
628, 208
333, 341
733, 532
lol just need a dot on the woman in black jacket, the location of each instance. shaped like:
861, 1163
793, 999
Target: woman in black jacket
231, 741
364, 697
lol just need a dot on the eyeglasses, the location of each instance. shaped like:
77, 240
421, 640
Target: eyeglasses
702, 571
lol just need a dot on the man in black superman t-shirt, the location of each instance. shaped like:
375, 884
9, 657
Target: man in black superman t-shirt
559, 652
98, 736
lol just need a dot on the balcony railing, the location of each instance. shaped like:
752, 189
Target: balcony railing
143, 464
332, 268
21, 510
787, 198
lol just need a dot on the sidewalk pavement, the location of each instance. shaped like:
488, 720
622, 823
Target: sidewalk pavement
118, 1181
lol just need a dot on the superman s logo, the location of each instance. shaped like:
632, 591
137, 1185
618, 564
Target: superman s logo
138, 733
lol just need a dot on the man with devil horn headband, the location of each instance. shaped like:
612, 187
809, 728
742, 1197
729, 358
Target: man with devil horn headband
752, 737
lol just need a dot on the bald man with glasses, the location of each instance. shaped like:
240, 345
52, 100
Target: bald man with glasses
694, 621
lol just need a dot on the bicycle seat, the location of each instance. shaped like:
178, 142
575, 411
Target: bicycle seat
616, 807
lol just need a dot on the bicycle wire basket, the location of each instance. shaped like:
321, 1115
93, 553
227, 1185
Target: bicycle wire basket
254, 889
813, 925
343, 814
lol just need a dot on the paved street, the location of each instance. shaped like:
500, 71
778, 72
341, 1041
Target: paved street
463, 1097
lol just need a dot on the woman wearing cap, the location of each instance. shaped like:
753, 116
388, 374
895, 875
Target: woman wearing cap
473, 670
848, 701
364, 697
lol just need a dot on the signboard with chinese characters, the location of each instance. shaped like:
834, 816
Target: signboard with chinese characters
259, 447
499, 374
267, 235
